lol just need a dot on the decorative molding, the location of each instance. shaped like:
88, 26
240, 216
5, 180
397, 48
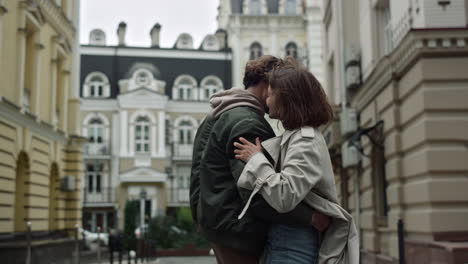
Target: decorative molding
415, 45
143, 175
91, 104
155, 53
55, 17
142, 98
11, 112
292, 21
188, 107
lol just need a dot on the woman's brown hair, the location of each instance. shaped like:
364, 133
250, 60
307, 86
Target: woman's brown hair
301, 100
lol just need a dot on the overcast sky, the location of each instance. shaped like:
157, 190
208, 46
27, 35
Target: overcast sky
196, 17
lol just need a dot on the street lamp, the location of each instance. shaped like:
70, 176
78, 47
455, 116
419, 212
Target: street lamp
142, 207
171, 179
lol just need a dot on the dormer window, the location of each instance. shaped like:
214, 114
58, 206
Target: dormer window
96, 85
184, 41
184, 88
209, 86
97, 37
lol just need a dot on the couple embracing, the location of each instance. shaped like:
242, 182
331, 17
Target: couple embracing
264, 199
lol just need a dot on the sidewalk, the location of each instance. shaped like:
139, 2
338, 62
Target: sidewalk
173, 260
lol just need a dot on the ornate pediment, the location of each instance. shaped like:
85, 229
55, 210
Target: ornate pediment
144, 174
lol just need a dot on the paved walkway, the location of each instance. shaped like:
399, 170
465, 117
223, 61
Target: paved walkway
187, 260
175, 260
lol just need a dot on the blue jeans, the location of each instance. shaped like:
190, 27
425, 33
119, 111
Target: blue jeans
293, 245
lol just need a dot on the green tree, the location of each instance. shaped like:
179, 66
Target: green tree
131, 211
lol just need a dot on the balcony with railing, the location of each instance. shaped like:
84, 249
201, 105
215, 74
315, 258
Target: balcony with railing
178, 197
102, 197
183, 151
97, 149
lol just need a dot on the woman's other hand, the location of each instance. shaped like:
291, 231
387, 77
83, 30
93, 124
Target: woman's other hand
246, 150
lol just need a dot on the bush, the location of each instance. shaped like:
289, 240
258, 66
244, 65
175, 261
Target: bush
175, 231
131, 211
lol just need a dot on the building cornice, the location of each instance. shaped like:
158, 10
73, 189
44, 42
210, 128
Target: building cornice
142, 98
188, 107
55, 16
12, 113
142, 174
279, 21
171, 106
417, 44
154, 53
99, 105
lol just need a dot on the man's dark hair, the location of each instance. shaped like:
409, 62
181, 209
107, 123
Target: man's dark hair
301, 98
256, 71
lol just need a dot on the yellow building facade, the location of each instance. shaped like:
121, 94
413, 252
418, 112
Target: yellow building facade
40, 150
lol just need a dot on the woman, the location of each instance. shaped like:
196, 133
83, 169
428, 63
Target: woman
296, 98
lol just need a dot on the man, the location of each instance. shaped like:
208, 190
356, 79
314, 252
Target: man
215, 200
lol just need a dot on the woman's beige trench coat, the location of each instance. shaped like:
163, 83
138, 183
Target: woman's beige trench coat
305, 174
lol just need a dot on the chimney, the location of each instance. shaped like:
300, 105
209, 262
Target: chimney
154, 33
121, 30
221, 35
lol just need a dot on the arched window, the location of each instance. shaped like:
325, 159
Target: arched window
94, 172
255, 51
210, 85
185, 132
184, 88
185, 128
96, 131
291, 50
290, 7
255, 7
142, 135
96, 85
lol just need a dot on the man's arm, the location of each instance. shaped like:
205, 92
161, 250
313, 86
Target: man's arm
250, 129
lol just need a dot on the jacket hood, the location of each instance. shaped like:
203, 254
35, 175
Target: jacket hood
222, 101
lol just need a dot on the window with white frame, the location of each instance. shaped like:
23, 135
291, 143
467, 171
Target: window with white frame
94, 172
96, 86
183, 177
186, 130
290, 7
255, 7
184, 88
96, 131
142, 135
291, 50
210, 85
387, 30
255, 51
